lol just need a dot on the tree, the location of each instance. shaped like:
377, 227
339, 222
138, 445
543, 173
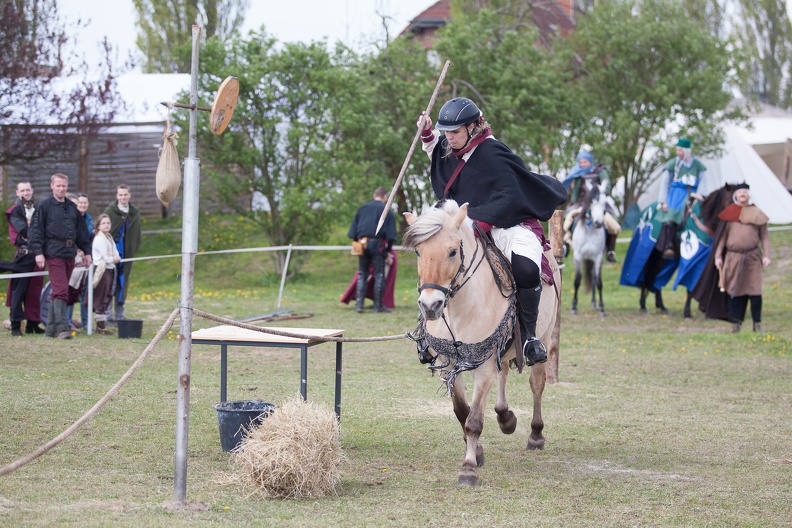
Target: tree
276, 163
47, 97
764, 33
165, 29
645, 74
519, 84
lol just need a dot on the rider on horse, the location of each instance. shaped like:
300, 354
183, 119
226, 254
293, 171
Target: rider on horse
684, 177
504, 197
587, 168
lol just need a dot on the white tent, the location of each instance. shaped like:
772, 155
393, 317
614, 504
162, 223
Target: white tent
741, 163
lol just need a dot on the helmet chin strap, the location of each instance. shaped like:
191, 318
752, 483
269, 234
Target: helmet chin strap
469, 137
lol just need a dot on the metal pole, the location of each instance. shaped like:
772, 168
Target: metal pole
192, 174
283, 275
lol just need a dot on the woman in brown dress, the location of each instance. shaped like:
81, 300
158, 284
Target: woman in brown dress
742, 251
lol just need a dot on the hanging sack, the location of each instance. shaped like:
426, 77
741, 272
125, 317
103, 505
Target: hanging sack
168, 169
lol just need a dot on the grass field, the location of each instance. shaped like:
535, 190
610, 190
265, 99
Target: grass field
657, 421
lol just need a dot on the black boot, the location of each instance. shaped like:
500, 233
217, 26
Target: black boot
379, 293
32, 327
610, 247
16, 328
361, 293
533, 349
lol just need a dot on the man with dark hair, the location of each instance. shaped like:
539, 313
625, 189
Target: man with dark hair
57, 233
126, 231
24, 292
376, 247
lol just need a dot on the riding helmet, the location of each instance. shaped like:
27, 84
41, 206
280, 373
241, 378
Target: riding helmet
457, 112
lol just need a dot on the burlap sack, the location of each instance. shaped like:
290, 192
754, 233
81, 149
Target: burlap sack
168, 169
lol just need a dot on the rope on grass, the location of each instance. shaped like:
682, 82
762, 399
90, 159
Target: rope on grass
310, 338
85, 418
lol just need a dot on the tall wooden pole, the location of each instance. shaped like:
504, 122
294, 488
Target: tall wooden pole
192, 176
556, 233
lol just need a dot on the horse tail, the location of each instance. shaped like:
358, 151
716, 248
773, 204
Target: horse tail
588, 267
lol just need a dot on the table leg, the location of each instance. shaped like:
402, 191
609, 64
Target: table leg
338, 382
223, 371
304, 372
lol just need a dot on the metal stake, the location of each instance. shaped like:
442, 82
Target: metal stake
192, 178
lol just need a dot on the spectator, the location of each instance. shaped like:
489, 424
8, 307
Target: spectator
376, 247
24, 293
126, 231
105, 255
57, 234
742, 250
79, 278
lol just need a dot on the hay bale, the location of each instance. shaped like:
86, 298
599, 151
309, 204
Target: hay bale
293, 453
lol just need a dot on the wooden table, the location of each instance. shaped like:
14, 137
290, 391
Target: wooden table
227, 335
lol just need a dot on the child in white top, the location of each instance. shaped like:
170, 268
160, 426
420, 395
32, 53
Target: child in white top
105, 255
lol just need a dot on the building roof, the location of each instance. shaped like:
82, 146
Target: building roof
549, 16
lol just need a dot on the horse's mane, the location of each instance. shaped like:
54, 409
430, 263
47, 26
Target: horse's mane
430, 223
714, 203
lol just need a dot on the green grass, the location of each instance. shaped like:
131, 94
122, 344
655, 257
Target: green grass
657, 421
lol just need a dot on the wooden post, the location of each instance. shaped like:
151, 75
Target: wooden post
785, 171
556, 233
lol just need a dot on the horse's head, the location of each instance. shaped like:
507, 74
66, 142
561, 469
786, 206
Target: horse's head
438, 238
594, 204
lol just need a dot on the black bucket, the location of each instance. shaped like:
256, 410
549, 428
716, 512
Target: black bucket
237, 417
129, 328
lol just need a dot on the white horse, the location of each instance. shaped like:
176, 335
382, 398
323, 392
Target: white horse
588, 245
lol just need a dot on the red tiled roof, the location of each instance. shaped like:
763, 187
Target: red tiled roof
550, 16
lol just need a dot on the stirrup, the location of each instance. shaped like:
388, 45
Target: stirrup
534, 351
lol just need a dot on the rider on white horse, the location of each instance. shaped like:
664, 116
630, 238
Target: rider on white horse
587, 167
504, 197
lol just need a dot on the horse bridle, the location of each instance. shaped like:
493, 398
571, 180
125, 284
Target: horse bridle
453, 287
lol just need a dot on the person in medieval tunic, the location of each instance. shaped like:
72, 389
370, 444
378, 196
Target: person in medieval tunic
742, 251
586, 167
127, 233
684, 178
504, 198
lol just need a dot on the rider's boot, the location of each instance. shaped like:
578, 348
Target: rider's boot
533, 349
610, 247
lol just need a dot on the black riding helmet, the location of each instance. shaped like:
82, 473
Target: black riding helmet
457, 112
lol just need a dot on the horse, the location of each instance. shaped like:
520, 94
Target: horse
588, 245
657, 271
467, 318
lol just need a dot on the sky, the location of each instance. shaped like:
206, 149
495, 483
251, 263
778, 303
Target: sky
348, 21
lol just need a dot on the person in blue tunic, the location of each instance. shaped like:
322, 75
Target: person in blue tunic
587, 167
684, 177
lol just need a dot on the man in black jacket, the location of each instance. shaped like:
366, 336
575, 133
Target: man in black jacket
57, 232
23, 292
377, 247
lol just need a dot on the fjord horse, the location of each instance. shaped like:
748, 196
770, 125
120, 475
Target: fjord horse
588, 245
466, 324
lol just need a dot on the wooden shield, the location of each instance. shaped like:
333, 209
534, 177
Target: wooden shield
224, 103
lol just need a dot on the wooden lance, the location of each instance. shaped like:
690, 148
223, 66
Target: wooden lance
412, 149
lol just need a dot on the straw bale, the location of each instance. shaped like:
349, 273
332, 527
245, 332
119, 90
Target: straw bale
294, 453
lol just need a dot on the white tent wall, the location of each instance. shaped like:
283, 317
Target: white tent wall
741, 163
